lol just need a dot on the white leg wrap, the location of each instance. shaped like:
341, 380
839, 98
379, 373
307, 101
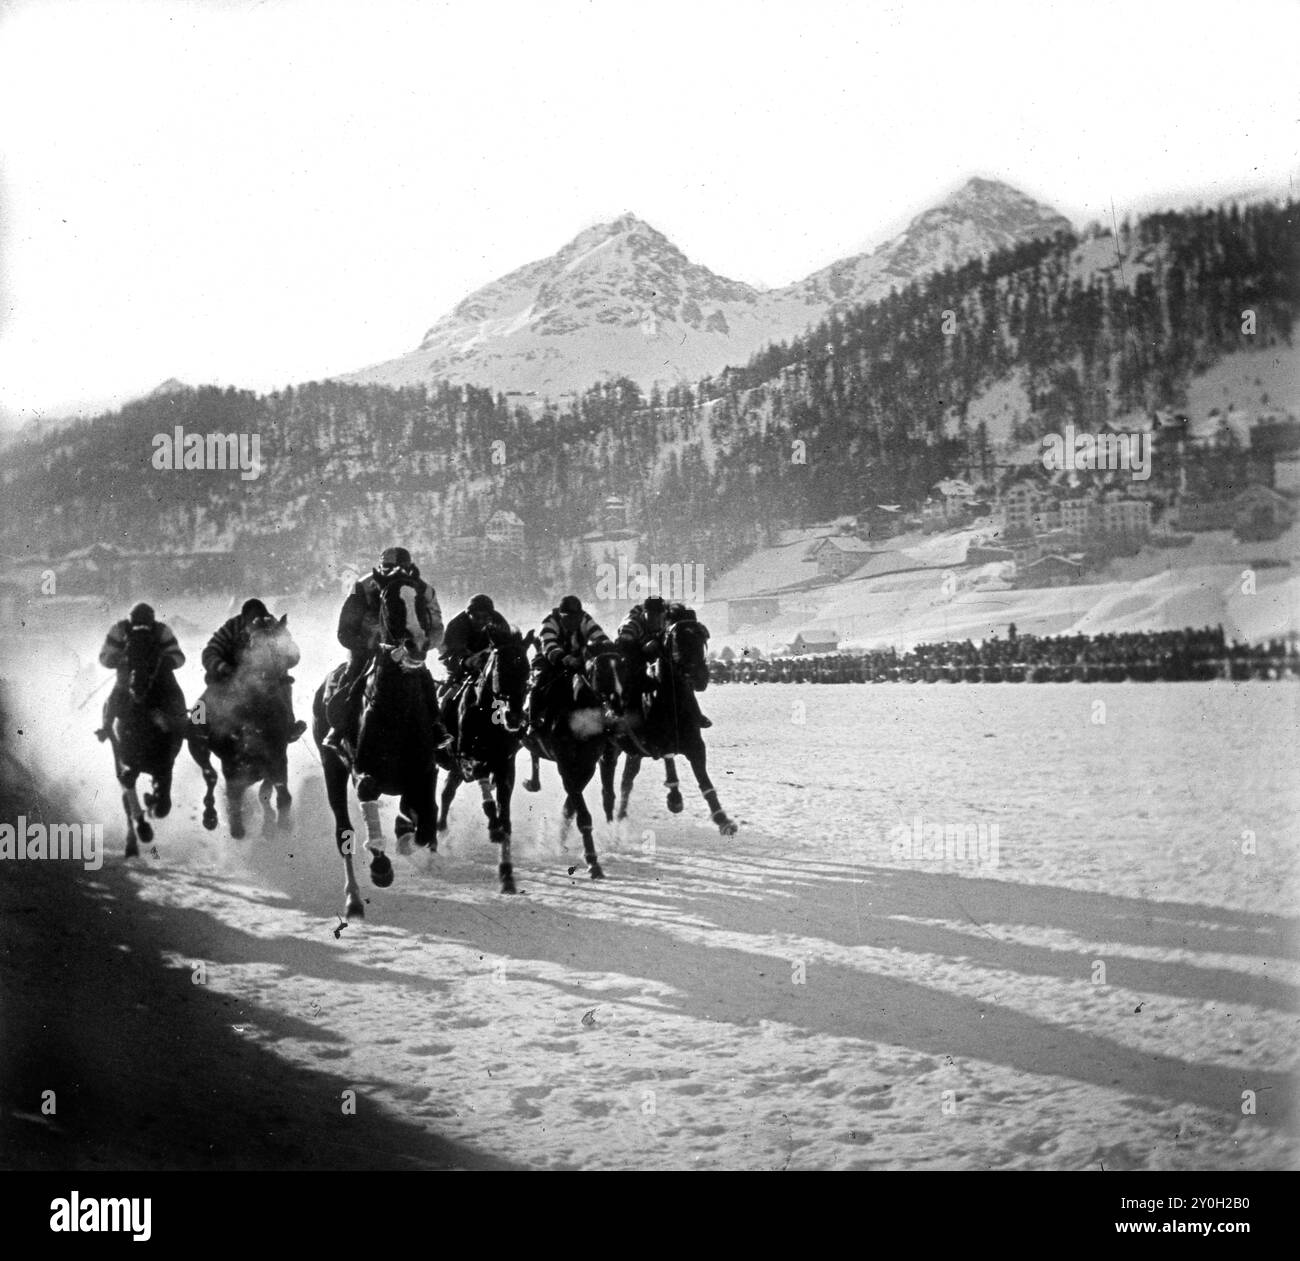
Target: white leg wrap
374, 834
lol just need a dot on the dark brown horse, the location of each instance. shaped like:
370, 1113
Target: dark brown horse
395, 745
483, 715
582, 711
245, 720
667, 727
146, 735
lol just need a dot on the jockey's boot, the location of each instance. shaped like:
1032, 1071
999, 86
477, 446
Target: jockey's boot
699, 713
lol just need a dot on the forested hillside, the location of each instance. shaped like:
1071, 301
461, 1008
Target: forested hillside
873, 407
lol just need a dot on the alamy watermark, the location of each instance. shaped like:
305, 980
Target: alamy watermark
634, 581
1087, 451
919, 841
181, 450
82, 842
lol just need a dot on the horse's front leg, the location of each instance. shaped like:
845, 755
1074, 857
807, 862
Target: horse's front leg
576, 805
699, 764
381, 868
674, 799
137, 826
608, 765
235, 789
264, 792
345, 837
505, 790
283, 797
202, 755
534, 782
631, 768
453, 782
159, 801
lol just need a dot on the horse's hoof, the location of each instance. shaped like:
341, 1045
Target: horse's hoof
498, 836
674, 803
381, 871
210, 820
237, 831
727, 828
356, 909
145, 830
596, 872
132, 849
532, 785
508, 884
162, 807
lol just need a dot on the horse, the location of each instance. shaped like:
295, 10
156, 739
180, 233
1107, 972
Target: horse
244, 720
146, 735
589, 705
396, 744
667, 728
483, 716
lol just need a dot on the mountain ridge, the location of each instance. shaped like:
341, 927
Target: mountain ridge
622, 300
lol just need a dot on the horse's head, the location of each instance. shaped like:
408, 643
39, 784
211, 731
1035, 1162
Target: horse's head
687, 644
270, 646
607, 674
404, 623
143, 658
508, 665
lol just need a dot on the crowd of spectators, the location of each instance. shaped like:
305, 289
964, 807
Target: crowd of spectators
1144, 656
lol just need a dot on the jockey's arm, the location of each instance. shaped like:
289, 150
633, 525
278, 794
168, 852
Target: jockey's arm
222, 649
354, 629
112, 655
172, 656
435, 616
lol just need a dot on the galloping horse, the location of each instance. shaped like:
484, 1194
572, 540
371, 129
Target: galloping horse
244, 720
484, 718
586, 708
146, 736
669, 727
395, 748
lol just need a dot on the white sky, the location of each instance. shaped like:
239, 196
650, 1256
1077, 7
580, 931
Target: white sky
262, 193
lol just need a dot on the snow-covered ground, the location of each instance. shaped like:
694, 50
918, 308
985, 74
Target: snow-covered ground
1096, 983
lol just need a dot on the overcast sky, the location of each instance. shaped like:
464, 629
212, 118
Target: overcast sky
262, 192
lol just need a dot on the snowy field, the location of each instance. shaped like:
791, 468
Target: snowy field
1108, 979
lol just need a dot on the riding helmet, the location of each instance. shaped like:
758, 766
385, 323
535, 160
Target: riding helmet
570, 604
142, 615
481, 604
395, 558
253, 608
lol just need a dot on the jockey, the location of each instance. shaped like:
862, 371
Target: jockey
225, 651
566, 633
640, 635
468, 639
358, 632
113, 657
678, 612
